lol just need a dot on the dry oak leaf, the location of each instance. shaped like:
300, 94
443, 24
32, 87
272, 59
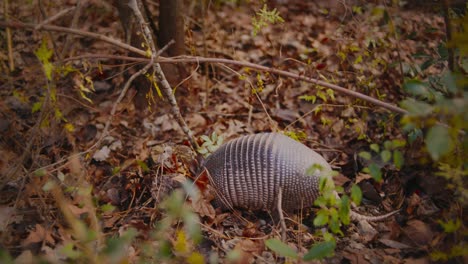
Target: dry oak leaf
38, 235
77, 211
203, 208
248, 249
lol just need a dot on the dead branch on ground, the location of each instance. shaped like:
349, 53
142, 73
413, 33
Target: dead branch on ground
195, 59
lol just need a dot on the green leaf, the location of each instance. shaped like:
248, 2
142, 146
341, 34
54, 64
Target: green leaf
321, 250
281, 248
334, 223
450, 226
417, 108
344, 210
143, 165
375, 147
70, 252
438, 142
414, 134
365, 155
398, 159
385, 155
449, 81
417, 88
356, 194
426, 64
443, 51
196, 258
49, 185
309, 98
320, 201
388, 144
36, 107
43, 53
375, 172
107, 207
40, 172
322, 218
398, 143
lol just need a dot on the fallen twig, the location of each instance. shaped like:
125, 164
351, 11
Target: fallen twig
210, 60
195, 59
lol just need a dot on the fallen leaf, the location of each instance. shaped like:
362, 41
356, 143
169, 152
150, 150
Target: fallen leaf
77, 211
203, 207
102, 154
38, 235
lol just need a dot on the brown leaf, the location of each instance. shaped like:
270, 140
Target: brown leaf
220, 218
251, 230
38, 235
76, 211
203, 208
253, 246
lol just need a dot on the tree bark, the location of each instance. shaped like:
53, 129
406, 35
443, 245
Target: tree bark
171, 26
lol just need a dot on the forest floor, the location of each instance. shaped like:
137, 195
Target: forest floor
63, 199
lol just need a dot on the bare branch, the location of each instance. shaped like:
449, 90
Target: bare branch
166, 88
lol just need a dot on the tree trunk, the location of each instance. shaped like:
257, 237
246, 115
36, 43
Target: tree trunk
171, 26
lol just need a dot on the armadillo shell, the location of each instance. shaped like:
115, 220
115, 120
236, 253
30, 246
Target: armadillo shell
249, 171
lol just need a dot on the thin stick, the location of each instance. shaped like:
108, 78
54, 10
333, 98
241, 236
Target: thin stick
195, 59
73, 24
53, 18
11, 61
281, 216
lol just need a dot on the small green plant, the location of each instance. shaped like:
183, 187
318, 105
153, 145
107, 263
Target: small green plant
210, 144
264, 17
333, 213
437, 108
173, 238
389, 154
318, 251
48, 101
325, 94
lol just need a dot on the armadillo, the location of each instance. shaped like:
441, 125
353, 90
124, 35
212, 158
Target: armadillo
249, 171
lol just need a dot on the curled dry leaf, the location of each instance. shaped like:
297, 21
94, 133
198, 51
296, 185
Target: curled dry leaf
102, 154
203, 207
39, 234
